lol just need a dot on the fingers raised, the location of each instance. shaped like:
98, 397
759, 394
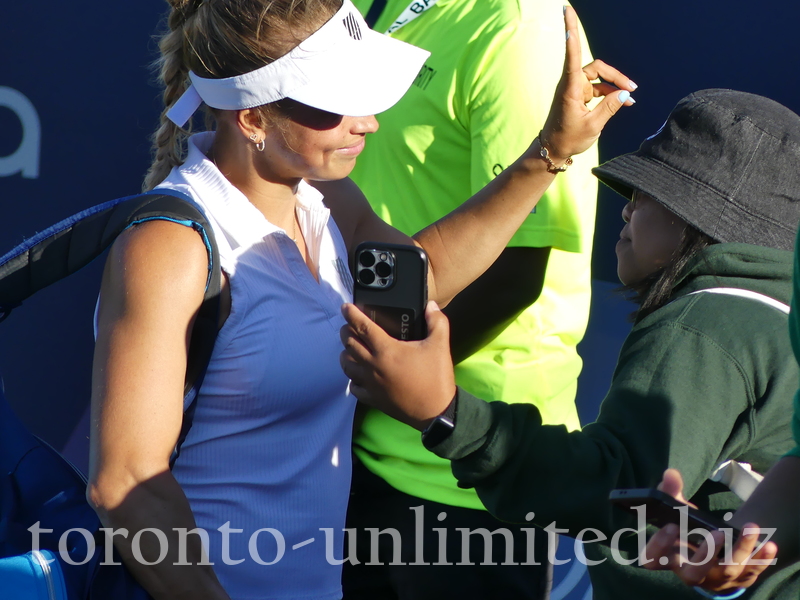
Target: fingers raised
597, 69
572, 59
572, 126
607, 108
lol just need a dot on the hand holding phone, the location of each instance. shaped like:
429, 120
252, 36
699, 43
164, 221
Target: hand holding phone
412, 379
391, 287
662, 509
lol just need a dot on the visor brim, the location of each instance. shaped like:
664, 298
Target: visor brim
362, 79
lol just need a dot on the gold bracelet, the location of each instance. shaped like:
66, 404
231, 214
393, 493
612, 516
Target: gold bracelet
545, 156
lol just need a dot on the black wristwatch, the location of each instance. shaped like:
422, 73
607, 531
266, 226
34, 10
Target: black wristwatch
442, 426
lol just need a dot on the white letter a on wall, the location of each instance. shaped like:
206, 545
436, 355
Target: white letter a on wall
24, 159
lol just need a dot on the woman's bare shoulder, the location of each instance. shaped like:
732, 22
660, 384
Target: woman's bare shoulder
158, 261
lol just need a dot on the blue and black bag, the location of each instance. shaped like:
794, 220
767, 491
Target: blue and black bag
37, 484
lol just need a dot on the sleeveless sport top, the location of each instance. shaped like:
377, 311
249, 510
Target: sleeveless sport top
266, 464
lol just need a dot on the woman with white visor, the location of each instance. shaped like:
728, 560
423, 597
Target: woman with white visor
292, 86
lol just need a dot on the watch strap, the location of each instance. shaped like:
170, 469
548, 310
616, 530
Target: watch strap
442, 426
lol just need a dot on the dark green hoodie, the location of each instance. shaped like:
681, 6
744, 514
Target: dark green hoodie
703, 379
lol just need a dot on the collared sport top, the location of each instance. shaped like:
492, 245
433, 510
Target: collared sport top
266, 465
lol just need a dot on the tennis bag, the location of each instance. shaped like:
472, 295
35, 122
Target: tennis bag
41, 493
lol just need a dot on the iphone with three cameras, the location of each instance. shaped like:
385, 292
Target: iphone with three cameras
391, 287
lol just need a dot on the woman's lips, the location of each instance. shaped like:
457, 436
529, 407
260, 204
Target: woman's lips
353, 150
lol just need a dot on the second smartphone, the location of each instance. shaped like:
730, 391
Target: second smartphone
661, 509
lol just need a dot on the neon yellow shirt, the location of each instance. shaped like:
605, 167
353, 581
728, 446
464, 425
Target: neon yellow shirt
478, 102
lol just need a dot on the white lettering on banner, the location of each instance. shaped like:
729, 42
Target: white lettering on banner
25, 159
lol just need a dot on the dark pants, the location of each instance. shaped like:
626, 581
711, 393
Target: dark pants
375, 504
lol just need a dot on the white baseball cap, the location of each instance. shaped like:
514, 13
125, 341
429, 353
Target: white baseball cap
344, 68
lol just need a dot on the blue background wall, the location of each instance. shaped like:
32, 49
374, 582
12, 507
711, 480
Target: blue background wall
78, 102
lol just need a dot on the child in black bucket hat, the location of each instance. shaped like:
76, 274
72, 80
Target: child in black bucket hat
775, 504
704, 381
722, 168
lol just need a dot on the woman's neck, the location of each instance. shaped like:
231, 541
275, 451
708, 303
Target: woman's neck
275, 199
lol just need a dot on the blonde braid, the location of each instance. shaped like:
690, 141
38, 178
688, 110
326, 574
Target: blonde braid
168, 140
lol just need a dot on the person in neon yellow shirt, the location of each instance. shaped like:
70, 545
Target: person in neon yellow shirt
483, 93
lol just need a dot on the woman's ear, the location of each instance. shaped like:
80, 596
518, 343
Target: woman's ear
249, 122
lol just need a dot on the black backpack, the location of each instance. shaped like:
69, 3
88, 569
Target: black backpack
38, 486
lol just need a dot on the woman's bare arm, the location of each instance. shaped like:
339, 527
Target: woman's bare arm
152, 288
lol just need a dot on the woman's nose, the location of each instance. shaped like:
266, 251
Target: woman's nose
368, 124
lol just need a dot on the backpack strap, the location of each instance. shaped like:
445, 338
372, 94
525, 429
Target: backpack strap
69, 245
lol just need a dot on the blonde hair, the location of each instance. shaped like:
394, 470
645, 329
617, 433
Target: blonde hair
223, 38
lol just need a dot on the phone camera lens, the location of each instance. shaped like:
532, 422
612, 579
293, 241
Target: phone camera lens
366, 276
367, 259
383, 269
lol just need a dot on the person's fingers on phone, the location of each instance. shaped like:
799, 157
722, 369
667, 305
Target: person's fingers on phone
354, 347
370, 334
729, 569
767, 555
695, 569
354, 352
756, 565
745, 565
746, 543
660, 552
438, 326
672, 484
354, 368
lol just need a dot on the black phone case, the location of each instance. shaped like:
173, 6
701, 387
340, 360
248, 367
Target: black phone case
399, 308
660, 509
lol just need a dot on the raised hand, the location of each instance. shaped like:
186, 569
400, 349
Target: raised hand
572, 126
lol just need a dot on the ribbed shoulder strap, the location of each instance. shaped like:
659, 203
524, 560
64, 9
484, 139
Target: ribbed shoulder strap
69, 245
784, 308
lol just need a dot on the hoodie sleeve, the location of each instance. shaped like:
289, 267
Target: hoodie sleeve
676, 399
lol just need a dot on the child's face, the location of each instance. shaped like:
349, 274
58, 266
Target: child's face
648, 240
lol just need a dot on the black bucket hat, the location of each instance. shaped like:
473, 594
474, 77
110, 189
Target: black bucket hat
726, 162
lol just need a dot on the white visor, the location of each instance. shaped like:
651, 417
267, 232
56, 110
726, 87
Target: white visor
344, 68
